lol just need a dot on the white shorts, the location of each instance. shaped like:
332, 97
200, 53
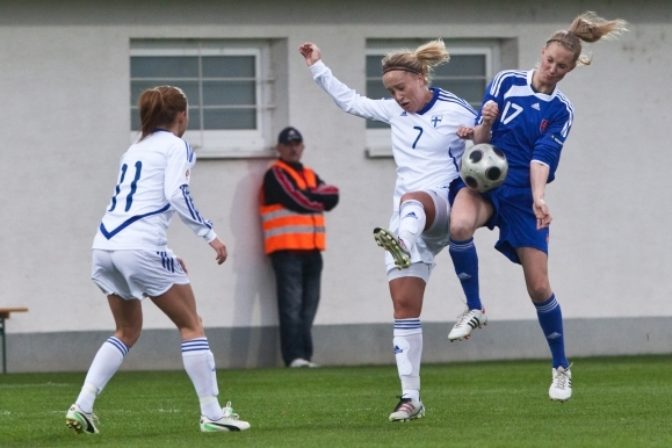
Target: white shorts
134, 274
430, 243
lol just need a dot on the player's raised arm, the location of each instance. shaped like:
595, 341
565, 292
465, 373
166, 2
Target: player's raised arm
489, 113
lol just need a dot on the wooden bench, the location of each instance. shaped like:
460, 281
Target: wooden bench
4, 314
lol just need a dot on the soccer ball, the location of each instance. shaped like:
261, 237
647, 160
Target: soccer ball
484, 167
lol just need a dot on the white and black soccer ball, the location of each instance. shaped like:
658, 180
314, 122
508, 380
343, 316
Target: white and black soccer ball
484, 167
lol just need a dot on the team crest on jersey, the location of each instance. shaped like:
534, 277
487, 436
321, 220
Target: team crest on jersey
436, 119
543, 125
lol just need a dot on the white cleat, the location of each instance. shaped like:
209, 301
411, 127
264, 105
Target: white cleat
80, 421
561, 384
230, 422
466, 323
407, 410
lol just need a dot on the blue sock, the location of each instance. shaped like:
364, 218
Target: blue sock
550, 319
465, 260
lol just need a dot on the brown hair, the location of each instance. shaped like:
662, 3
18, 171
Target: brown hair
159, 107
587, 27
421, 61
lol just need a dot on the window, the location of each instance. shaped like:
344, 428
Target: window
472, 64
228, 84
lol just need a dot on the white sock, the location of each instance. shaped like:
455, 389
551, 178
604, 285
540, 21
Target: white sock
199, 363
105, 364
408, 354
412, 220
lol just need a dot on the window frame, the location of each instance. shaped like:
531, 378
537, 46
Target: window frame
224, 143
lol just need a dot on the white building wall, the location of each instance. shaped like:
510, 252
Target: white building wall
65, 89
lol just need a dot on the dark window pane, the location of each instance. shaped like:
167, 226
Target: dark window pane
376, 90
229, 67
374, 69
218, 93
164, 67
462, 65
194, 118
230, 119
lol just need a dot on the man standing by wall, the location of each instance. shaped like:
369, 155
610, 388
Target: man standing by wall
293, 199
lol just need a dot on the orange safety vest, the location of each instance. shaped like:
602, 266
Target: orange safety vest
286, 229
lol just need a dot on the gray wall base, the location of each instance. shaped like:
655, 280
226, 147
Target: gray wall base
345, 344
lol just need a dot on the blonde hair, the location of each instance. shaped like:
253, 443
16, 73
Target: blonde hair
421, 61
587, 27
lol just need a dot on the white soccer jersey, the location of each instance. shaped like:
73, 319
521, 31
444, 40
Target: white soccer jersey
153, 183
425, 146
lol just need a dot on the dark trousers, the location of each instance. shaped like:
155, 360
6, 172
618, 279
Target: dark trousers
297, 278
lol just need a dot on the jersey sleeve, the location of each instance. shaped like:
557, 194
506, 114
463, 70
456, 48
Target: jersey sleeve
548, 147
349, 100
176, 188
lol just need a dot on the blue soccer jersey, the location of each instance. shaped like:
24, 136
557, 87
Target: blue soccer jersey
531, 125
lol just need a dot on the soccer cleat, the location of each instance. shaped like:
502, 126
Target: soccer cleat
229, 422
561, 385
80, 421
402, 259
467, 322
407, 410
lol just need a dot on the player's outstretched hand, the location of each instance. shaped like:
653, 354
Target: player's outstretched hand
310, 52
465, 132
220, 250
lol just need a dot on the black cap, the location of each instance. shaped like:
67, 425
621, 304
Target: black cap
288, 135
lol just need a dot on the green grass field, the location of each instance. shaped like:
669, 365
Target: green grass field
618, 402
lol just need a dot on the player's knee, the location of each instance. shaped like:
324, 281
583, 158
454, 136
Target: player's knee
417, 196
461, 229
539, 291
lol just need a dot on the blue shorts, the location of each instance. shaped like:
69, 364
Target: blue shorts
514, 217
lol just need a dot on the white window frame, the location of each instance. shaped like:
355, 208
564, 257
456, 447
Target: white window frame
223, 143
378, 140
